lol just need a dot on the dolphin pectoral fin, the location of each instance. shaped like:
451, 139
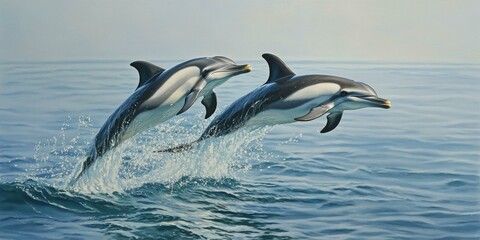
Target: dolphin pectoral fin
210, 103
189, 101
146, 71
192, 96
333, 119
316, 112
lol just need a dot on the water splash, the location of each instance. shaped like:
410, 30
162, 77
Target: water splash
56, 157
134, 163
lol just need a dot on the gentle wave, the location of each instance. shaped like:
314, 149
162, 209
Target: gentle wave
408, 172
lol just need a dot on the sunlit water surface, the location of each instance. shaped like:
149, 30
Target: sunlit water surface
409, 172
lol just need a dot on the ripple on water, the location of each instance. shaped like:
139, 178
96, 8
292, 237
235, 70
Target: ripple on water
407, 173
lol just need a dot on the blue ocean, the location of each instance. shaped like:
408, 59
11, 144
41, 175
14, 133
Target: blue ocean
409, 172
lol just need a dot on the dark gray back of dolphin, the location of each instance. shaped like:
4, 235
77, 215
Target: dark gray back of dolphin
265, 97
110, 133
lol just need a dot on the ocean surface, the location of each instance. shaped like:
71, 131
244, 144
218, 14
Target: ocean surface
409, 172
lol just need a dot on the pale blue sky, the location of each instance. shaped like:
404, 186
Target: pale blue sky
401, 31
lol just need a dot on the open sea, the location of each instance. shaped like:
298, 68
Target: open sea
409, 172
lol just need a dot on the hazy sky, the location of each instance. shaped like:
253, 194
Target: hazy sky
413, 31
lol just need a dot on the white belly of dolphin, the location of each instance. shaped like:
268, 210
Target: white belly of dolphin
282, 116
311, 96
150, 119
180, 85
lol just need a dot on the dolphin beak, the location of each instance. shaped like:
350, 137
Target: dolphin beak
377, 102
238, 69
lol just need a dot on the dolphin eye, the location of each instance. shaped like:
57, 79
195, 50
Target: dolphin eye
205, 72
343, 93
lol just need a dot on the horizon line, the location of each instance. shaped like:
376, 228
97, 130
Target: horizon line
105, 60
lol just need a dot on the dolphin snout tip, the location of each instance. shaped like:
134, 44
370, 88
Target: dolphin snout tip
388, 104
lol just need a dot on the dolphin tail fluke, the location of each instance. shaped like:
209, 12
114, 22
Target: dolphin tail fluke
179, 148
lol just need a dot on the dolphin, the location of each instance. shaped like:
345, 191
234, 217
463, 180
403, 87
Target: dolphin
160, 95
287, 97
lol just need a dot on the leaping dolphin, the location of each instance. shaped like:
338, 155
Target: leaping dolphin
160, 95
286, 98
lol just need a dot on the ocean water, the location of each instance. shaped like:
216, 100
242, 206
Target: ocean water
409, 172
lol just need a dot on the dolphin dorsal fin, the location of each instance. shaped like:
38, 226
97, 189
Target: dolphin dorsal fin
278, 69
146, 71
